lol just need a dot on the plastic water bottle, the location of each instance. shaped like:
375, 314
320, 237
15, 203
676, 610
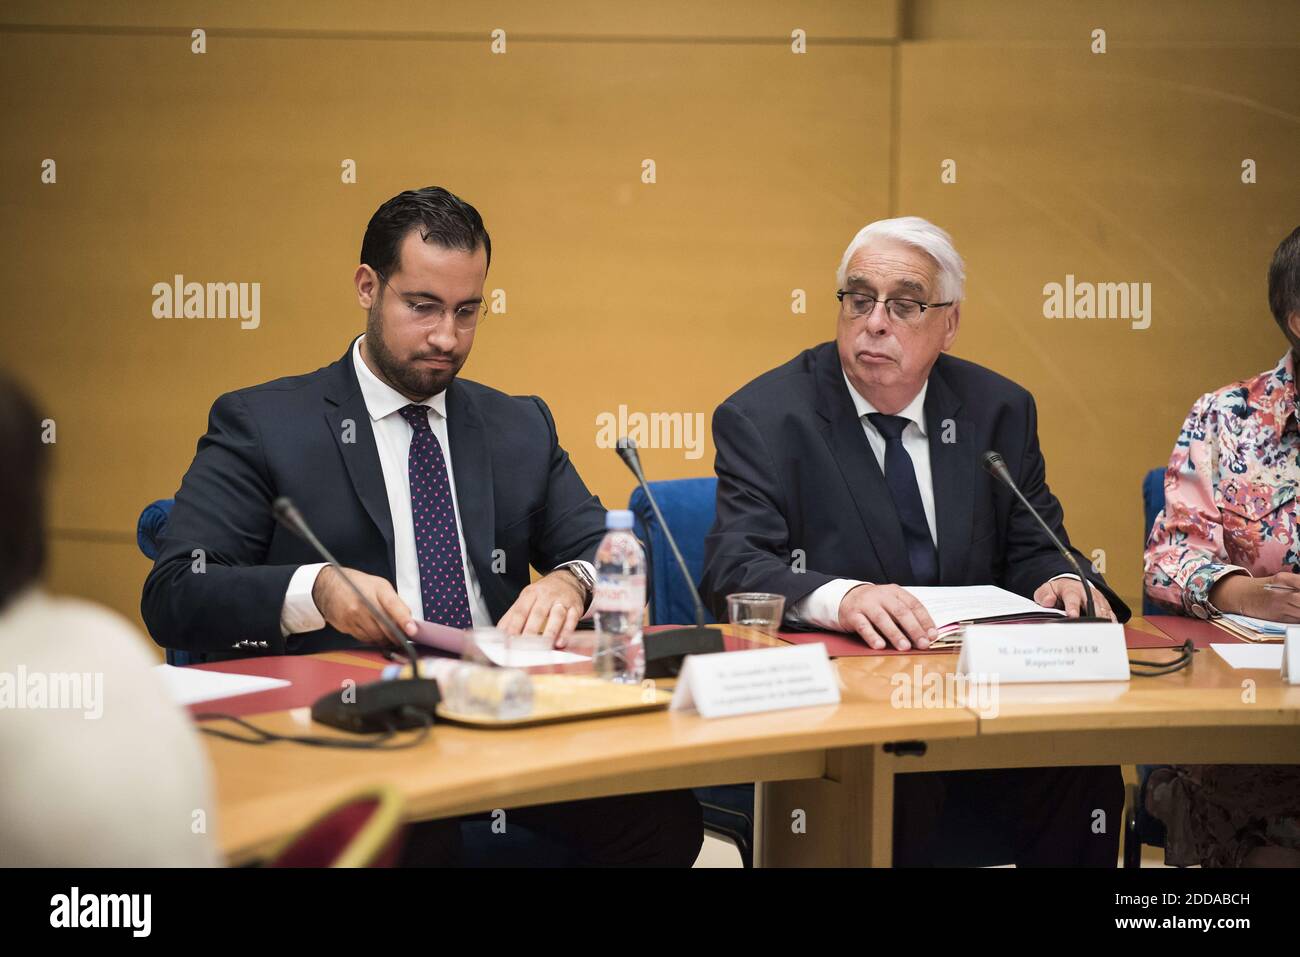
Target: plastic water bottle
619, 602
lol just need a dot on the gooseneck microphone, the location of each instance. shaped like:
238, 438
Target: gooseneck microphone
664, 650
995, 466
381, 706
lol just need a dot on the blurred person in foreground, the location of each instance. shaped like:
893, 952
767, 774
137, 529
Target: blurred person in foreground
98, 766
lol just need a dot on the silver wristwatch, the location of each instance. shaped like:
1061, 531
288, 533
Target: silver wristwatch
585, 579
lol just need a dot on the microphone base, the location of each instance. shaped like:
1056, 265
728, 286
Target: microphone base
379, 706
664, 650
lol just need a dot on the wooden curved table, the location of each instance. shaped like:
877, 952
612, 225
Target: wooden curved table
834, 764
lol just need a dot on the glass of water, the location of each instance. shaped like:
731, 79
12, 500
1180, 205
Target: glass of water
760, 610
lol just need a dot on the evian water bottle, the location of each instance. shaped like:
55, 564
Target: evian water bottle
619, 602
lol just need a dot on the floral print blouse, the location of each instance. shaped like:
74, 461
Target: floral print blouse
1230, 492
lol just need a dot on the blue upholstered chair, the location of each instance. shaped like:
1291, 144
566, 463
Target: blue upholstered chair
148, 536
153, 522
1141, 828
1153, 502
688, 506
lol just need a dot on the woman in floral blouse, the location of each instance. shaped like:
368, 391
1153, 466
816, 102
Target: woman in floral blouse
1227, 531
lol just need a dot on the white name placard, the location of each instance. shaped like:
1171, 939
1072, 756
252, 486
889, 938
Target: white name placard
763, 679
1020, 654
1291, 655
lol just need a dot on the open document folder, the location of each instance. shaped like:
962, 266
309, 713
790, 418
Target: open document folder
1253, 629
953, 607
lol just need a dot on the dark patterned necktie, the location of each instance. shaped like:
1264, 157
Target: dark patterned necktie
437, 545
900, 476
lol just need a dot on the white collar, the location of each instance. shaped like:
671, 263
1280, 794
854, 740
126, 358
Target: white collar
381, 398
914, 411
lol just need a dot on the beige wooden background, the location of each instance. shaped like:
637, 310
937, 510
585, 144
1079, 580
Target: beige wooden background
225, 166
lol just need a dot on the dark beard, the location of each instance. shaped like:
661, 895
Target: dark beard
413, 382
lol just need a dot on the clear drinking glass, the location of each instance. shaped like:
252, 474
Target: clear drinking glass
760, 610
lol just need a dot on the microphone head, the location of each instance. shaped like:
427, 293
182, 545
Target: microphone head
626, 449
992, 462
995, 466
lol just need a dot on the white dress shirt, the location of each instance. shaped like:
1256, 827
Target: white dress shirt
393, 440
821, 608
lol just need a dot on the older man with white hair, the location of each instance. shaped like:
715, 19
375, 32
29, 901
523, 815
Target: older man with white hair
854, 470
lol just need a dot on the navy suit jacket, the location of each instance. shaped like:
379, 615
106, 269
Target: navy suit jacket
802, 501
310, 438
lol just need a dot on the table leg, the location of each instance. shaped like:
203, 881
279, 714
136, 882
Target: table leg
843, 819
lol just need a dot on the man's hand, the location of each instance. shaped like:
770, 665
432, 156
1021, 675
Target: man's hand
1242, 595
550, 606
1068, 593
881, 613
341, 607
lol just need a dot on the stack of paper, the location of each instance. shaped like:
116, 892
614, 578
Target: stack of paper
1252, 629
955, 607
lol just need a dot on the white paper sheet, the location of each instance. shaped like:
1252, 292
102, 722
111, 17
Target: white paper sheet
947, 605
523, 652
193, 685
1268, 657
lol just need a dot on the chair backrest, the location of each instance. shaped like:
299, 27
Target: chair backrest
153, 522
1153, 502
688, 506
149, 532
1150, 829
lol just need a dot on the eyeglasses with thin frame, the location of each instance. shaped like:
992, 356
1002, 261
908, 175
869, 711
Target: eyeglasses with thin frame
427, 312
897, 308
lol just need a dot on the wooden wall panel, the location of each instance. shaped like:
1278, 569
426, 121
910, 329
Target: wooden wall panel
578, 18
1115, 167
99, 569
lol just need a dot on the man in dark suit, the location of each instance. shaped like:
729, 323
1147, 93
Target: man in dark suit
435, 492
854, 469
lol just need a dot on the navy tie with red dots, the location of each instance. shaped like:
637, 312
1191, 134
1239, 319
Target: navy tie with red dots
437, 544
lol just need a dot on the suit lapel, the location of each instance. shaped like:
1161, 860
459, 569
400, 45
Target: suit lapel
952, 470
471, 463
858, 467
349, 424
